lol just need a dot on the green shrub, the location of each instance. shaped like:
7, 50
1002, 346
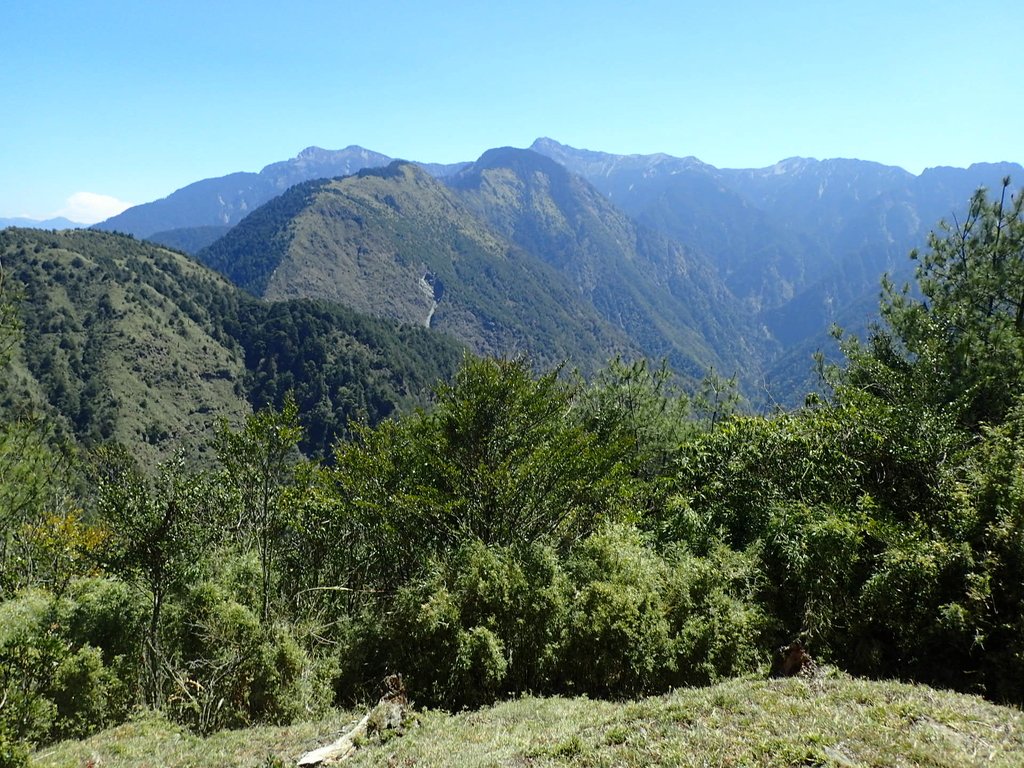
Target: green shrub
79, 693
618, 637
480, 666
486, 622
815, 560
110, 616
53, 681
230, 670
719, 627
106, 613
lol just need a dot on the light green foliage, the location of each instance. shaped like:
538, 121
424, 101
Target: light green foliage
229, 669
641, 621
157, 531
612, 618
259, 463
68, 665
29, 652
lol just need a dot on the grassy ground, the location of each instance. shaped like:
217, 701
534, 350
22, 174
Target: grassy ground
831, 721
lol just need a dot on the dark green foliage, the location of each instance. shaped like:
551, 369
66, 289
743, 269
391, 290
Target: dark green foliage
638, 409
8, 318
486, 621
129, 341
493, 522
33, 492
958, 345
851, 514
507, 463
992, 521
884, 521
500, 458
341, 367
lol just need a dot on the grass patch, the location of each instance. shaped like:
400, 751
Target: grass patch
150, 740
832, 721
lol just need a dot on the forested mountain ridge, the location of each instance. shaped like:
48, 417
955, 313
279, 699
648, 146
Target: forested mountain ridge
398, 243
126, 341
665, 297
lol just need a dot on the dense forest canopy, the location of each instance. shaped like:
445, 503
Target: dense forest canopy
540, 533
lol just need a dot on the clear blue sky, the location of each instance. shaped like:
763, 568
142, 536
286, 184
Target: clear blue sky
133, 100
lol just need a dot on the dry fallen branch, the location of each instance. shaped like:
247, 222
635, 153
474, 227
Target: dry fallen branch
388, 714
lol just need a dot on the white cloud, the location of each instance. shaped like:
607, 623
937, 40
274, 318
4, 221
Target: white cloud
90, 207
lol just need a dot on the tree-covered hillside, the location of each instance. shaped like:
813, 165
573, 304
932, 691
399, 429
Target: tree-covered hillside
664, 297
397, 243
512, 255
123, 340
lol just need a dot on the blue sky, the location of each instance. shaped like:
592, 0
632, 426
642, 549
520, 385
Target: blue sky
109, 103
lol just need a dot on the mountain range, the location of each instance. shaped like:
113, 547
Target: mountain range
799, 241
563, 253
56, 223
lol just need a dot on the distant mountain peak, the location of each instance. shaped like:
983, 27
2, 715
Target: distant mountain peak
791, 165
396, 169
320, 154
519, 159
588, 162
28, 223
326, 162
